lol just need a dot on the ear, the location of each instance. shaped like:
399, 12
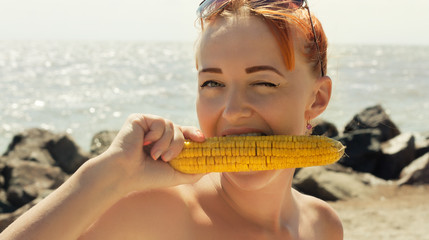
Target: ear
320, 97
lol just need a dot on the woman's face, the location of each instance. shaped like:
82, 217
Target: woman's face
245, 88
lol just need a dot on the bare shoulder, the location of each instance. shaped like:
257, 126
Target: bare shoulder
145, 214
321, 216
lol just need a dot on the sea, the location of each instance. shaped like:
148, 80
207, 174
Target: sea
83, 87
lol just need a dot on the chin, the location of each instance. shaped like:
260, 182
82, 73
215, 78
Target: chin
252, 181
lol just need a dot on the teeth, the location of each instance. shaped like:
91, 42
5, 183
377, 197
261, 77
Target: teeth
248, 134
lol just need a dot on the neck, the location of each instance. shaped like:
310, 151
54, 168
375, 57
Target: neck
271, 206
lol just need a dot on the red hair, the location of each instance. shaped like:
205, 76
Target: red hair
281, 21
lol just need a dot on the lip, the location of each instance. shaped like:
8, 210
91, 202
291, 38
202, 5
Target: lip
238, 131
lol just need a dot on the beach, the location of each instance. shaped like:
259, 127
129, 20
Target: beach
394, 213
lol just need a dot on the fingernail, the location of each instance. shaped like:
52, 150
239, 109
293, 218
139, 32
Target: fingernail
147, 143
156, 155
200, 134
167, 156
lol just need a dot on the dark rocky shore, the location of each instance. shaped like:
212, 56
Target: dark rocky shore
38, 161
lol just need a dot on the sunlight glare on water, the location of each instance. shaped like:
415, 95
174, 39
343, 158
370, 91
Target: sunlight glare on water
85, 87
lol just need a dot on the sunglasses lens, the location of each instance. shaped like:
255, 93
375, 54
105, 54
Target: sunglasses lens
208, 7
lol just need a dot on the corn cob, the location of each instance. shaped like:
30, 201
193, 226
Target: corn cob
255, 153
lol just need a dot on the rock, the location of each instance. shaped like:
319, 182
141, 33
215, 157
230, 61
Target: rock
30, 145
45, 147
422, 145
5, 206
325, 128
101, 141
30, 138
397, 153
417, 172
7, 218
27, 180
331, 185
374, 117
366, 178
2, 168
35, 162
363, 150
66, 153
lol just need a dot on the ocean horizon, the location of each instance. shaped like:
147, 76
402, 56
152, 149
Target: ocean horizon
83, 87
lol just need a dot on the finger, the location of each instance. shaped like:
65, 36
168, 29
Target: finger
156, 128
176, 145
132, 131
162, 144
193, 133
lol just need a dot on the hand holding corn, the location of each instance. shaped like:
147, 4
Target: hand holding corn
253, 153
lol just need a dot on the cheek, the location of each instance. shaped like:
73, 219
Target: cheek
206, 112
284, 113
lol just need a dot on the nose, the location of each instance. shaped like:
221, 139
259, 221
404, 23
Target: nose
236, 106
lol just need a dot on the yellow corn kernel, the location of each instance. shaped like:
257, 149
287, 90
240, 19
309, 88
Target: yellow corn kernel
256, 153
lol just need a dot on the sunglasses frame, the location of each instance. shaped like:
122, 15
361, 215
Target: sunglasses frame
304, 4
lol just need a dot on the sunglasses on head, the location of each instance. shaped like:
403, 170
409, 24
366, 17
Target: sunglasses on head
208, 8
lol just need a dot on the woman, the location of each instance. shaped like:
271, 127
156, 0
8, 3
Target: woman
260, 72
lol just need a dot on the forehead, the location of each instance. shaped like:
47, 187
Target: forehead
244, 39
222, 27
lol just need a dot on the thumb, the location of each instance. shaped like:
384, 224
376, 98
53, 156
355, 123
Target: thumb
192, 133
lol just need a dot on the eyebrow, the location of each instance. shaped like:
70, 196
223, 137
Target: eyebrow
211, 70
263, 68
248, 70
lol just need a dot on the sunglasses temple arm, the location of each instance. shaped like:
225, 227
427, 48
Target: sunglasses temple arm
315, 40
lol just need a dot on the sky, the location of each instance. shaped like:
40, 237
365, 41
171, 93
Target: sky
344, 21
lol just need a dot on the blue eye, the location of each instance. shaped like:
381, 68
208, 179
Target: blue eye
211, 84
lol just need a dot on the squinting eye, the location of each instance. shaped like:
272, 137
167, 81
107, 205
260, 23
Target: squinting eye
267, 84
211, 84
